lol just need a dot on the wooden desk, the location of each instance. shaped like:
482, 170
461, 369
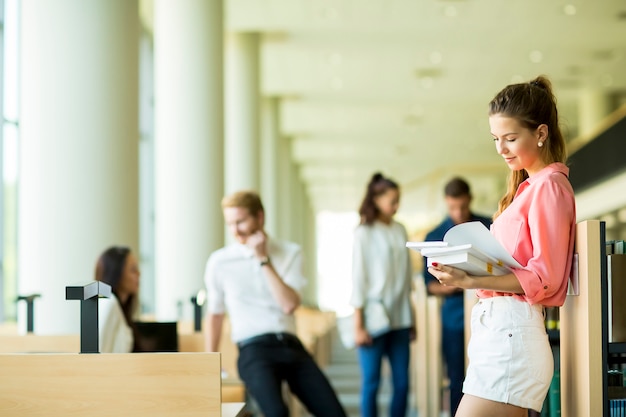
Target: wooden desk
103, 385
8, 328
31, 343
232, 388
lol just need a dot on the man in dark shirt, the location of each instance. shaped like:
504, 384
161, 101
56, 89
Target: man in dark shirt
458, 198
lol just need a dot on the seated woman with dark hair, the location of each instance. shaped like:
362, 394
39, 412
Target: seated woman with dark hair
118, 267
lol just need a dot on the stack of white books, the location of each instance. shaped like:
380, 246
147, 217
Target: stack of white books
465, 257
470, 247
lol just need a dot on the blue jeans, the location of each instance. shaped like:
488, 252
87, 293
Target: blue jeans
395, 346
453, 345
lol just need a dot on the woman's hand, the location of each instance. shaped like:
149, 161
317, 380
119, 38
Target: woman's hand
450, 276
362, 337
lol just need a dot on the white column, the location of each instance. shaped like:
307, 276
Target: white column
242, 112
310, 253
78, 147
269, 163
299, 219
188, 148
285, 209
593, 106
296, 197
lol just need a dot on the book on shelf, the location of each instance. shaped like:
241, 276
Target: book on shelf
470, 247
552, 318
617, 408
609, 246
615, 247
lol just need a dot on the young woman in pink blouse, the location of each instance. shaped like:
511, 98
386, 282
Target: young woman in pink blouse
510, 360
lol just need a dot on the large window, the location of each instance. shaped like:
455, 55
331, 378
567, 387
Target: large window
335, 233
9, 163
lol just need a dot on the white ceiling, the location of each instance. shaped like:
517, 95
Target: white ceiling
402, 86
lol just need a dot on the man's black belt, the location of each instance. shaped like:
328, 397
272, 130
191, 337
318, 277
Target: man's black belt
268, 338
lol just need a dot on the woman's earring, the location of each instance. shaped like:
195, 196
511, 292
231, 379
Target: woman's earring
540, 144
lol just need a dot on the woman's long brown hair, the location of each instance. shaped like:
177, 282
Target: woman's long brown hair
532, 104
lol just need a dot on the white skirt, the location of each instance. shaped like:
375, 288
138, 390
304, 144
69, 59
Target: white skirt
510, 359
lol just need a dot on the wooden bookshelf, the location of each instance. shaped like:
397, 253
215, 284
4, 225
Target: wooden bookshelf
583, 337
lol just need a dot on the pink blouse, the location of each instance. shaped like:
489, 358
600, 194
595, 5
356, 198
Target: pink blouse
538, 229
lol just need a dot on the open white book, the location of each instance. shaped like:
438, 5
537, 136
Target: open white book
470, 247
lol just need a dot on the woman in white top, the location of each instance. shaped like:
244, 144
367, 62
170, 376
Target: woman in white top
381, 296
118, 267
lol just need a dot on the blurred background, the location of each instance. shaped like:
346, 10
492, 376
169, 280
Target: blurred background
125, 122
